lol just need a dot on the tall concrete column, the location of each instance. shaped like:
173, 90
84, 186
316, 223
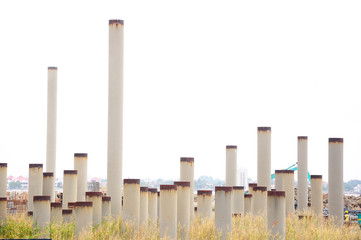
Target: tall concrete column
81, 165
302, 174
67, 215
131, 201
3, 178
143, 210
183, 218
83, 217
316, 195
223, 210
187, 175
335, 179
259, 203
158, 206
69, 187
231, 165
238, 200
96, 199
106, 208
204, 203
285, 182
115, 115
251, 186
168, 211
49, 185
51, 120
41, 213
55, 212
35, 185
276, 214
264, 157
247, 204
153, 204
3, 210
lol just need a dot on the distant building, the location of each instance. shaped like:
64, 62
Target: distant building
243, 178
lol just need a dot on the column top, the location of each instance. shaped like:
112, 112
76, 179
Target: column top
48, 174
182, 183
35, 165
316, 176
153, 190
335, 140
144, 189
80, 155
106, 199
56, 205
83, 204
52, 68
302, 137
259, 188
204, 192
231, 147
168, 187
41, 198
67, 211
247, 195
276, 193
264, 129
3, 165
131, 181
223, 188
187, 159
70, 172
116, 21
284, 171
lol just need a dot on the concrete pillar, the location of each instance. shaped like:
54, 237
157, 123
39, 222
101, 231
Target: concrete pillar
115, 115
316, 195
204, 203
41, 213
335, 179
302, 174
285, 182
276, 214
223, 210
168, 211
158, 205
247, 204
3, 210
83, 217
3, 179
152, 204
231, 165
51, 120
238, 200
81, 165
67, 215
96, 199
183, 218
69, 187
35, 186
251, 186
131, 201
49, 185
259, 203
187, 175
143, 210
106, 208
55, 212
264, 157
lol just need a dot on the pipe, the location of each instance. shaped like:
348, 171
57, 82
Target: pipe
183, 215
204, 203
285, 182
316, 195
223, 210
35, 187
49, 185
187, 175
67, 215
131, 201
259, 203
55, 212
231, 165
168, 211
152, 204
3, 179
96, 199
247, 204
276, 213
81, 165
83, 217
106, 208
143, 210
302, 174
115, 115
41, 213
264, 157
69, 187
3, 210
238, 200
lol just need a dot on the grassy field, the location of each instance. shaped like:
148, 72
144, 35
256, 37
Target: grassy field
21, 226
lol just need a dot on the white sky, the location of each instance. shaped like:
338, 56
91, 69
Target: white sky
198, 75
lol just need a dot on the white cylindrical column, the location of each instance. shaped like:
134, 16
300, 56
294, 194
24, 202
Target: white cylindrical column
49, 185
158, 205
285, 182
247, 204
204, 203
264, 157
223, 210
3, 179
67, 215
55, 212
96, 199
152, 204
35, 183
168, 211
51, 120
231, 165
69, 187
115, 114
3, 210
238, 200
335, 179
302, 174
183, 218
81, 165
187, 175
259, 203
143, 210
83, 217
131, 201
316, 195
106, 208
41, 213
276, 213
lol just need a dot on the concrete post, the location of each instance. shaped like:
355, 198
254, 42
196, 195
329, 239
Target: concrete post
316, 195
55, 212
106, 208
3, 179
83, 217
67, 215
3, 210
204, 203
302, 174
69, 187
264, 157
168, 211
276, 214
231, 165
143, 210
35, 183
131, 201
51, 120
158, 206
223, 210
187, 175
41, 213
81, 165
115, 114
251, 186
259, 204
152, 204
238, 200
285, 182
96, 199
183, 218
49, 185
247, 204
335, 179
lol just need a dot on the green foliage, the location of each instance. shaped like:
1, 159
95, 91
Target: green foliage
14, 185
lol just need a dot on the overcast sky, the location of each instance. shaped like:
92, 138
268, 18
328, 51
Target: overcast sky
198, 75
